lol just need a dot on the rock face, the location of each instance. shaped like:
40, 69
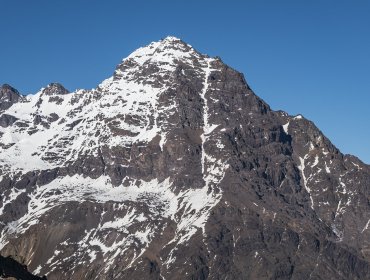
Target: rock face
174, 169
8, 96
10, 268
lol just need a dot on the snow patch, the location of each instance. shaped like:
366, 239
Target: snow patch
315, 162
194, 204
302, 167
286, 127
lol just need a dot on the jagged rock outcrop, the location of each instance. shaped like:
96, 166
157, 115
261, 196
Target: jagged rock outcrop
174, 169
8, 96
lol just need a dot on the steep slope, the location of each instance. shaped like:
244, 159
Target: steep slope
174, 169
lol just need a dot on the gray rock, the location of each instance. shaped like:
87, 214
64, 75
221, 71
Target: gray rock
8, 96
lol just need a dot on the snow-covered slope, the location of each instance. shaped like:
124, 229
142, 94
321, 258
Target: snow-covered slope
53, 127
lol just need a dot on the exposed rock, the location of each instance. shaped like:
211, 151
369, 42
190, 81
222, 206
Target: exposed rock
8, 96
7, 120
11, 268
55, 89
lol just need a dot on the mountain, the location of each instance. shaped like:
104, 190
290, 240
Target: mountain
174, 169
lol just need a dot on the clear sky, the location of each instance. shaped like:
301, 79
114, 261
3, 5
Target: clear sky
309, 57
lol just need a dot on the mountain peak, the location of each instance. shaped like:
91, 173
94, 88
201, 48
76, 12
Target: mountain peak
55, 88
164, 50
171, 39
174, 42
159, 58
8, 96
8, 88
174, 166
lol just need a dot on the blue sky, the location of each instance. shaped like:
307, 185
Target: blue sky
308, 57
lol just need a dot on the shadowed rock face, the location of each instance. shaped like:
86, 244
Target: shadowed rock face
174, 169
8, 96
9, 268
